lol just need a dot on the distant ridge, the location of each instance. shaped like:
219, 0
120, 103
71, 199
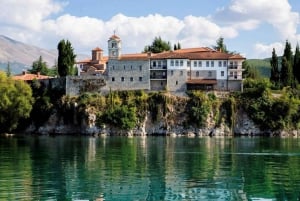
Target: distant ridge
21, 55
15, 51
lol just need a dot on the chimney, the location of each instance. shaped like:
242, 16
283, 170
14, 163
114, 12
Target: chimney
24, 72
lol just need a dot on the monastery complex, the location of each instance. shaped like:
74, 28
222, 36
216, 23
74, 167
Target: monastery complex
176, 71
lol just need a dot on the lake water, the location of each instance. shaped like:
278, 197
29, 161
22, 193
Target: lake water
151, 168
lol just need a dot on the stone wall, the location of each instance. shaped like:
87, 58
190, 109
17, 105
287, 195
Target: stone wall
128, 75
176, 80
76, 85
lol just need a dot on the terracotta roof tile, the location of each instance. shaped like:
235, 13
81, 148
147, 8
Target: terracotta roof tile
196, 53
115, 37
138, 56
97, 49
29, 76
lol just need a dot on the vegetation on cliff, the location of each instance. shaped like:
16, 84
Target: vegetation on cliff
15, 102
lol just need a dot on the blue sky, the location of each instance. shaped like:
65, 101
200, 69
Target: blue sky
249, 27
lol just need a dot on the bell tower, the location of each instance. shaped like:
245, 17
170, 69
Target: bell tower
114, 47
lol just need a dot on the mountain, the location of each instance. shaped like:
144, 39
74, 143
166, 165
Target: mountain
262, 65
21, 56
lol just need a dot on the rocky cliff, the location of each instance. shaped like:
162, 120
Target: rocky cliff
173, 119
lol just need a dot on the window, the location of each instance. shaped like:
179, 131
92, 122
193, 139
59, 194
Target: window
224, 63
209, 74
176, 63
200, 63
197, 74
188, 63
222, 84
222, 73
212, 63
172, 72
140, 68
207, 63
113, 79
181, 72
131, 79
189, 73
195, 63
172, 62
181, 63
131, 67
154, 63
161, 83
124, 67
159, 63
176, 82
113, 45
140, 79
220, 63
122, 79
113, 53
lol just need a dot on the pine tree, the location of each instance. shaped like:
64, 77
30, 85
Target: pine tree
286, 74
296, 66
275, 76
66, 58
220, 45
39, 66
158, 45
175, 47
8, 70
178, 46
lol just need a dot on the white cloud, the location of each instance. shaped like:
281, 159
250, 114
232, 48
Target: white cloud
265, 51
38, 22
248, 14
27, 14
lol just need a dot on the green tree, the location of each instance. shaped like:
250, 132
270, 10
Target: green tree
16, 102
158, 45
275, 75
296, 66
39, 66
66, 58
250, 71
8, 70
175, 47
220, 45
178, 46
286, 74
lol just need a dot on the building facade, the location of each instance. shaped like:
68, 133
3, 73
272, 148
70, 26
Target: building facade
176, 71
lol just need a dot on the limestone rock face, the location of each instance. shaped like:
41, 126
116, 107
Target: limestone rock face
173, 124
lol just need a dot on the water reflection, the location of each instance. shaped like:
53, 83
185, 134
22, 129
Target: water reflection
153, 168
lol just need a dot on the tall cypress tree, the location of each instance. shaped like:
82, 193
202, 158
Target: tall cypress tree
66, 58
286, 74
275, 76
296, 66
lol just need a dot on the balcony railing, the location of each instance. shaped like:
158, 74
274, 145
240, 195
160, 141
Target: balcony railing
234, 66
235, 77
158, 67
158, 77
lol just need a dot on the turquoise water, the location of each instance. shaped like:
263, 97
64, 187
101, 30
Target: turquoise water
152, 168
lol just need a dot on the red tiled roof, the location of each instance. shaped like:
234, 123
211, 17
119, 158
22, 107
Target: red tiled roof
196, 53
115, 37
202, 81
29, 76
138, 56
193, 50
97, 49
